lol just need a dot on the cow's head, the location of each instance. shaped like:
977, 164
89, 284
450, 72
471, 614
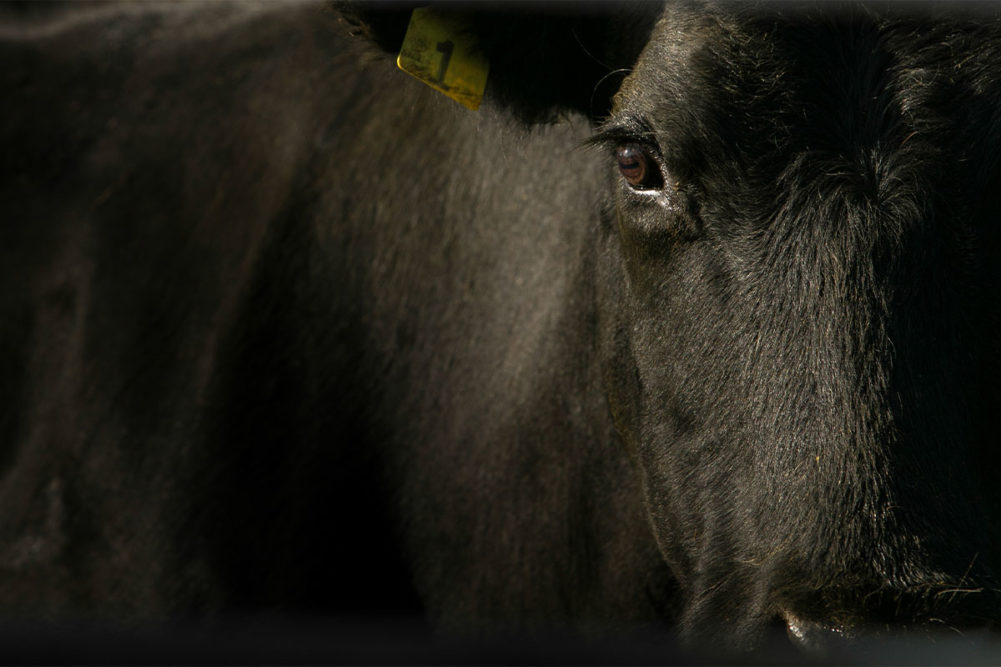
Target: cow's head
799, 304
804, 350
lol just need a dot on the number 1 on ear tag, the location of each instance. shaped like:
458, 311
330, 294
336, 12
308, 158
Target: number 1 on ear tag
442, 51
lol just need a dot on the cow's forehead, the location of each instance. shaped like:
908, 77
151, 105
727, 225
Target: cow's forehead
735, 51
677, 35
759, 89
710, 76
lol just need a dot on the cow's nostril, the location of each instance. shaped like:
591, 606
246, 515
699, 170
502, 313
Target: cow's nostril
811, 636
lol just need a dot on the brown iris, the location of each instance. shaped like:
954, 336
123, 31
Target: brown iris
637, 167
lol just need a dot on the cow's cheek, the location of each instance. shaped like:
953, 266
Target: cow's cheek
651, 345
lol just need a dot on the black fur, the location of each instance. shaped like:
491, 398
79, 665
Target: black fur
283, 329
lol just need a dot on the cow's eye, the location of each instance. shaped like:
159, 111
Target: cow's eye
638, 167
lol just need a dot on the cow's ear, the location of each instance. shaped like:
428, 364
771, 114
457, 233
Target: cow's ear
544, 58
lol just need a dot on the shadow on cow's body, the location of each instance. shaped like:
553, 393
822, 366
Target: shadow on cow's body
282, 328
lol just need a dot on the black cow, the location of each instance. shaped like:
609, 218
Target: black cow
692, 325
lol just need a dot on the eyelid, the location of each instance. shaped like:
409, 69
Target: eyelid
625, 130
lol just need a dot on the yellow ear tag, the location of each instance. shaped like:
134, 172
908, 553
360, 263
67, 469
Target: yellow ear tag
442, 52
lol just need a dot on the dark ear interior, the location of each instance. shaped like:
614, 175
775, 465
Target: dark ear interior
544, 57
